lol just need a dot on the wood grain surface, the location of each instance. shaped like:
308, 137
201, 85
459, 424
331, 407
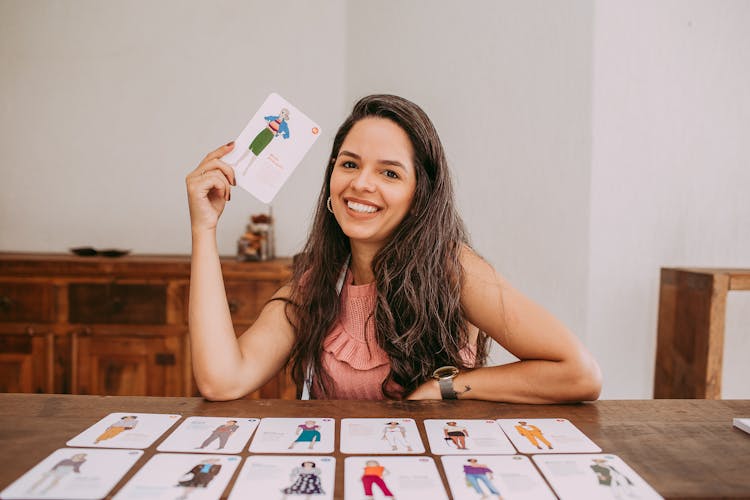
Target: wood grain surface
683, 448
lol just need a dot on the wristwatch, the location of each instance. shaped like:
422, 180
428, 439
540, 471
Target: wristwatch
445, 375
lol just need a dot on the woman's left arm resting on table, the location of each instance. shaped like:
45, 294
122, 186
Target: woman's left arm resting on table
554, 366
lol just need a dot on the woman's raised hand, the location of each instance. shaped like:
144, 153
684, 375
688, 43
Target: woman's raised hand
209, 188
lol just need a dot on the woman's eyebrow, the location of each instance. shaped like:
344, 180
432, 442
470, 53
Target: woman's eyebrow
384, 162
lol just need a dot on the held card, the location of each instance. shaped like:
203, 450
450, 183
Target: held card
270, 147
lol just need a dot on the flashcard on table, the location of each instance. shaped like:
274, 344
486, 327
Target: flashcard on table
593, 476
511, 477
380, 477
125, 430
210, 435
294, 435
547, 435
270, 147
742, 424
275, 476
73, 473
380, 435
467, 437
181, 476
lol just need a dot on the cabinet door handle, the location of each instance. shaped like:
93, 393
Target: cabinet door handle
117, 305
6, 303
165, 359
234, 306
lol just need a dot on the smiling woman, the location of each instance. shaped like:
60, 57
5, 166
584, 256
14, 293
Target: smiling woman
387, 299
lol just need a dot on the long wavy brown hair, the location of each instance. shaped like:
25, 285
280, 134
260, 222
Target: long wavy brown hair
418, 276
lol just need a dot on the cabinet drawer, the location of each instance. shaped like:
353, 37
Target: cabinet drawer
247, 299
117, 303
27, 302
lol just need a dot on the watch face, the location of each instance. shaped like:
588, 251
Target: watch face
445, 372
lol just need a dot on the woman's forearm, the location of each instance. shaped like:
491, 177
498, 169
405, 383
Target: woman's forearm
216, 355
528, 381
533, 381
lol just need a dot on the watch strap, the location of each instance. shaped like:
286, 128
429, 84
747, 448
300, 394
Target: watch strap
446, 388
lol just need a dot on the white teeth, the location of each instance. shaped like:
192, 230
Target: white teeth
359, 207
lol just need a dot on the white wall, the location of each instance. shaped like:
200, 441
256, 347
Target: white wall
106, 106
508, 86
591, 143
670, 173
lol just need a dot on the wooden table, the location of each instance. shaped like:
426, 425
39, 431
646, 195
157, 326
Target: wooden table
690, 343
683, 448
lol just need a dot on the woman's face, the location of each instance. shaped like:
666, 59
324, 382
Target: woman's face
373, 181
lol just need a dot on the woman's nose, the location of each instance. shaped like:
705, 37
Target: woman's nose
364, 180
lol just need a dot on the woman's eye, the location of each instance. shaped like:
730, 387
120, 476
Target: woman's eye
391, 174
349, 164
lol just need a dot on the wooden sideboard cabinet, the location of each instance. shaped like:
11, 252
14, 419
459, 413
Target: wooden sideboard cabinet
115, 326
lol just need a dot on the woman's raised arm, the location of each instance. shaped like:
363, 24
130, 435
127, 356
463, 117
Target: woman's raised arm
225, 367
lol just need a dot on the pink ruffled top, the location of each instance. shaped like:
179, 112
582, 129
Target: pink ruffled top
351, 354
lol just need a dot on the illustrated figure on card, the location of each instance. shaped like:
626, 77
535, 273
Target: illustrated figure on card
309, 432
533, 434
199, 476
275, 126
125, 423
373, 475
305, 481
395, 434
456, 434
222, 433
479, 473
619, 484
62, 469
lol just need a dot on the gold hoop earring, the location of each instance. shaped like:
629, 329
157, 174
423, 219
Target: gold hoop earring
328, 205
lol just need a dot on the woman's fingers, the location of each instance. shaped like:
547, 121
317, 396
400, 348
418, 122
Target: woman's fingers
216, 180
217, 165
219, 152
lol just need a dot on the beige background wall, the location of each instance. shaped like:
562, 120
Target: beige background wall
591, 142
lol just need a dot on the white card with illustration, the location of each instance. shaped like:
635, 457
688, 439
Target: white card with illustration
294, 435
181, 476
276, 477
380, 436
73, 473
210, 435
270, 147
383, 477
547, 435
467, 437
125, 430
601, 476
510, 477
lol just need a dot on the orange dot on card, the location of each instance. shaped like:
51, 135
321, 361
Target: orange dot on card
315, 130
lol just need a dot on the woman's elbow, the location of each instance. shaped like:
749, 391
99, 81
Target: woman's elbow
217, 393
587, 381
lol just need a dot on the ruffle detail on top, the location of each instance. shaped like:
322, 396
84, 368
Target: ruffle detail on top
352, 340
